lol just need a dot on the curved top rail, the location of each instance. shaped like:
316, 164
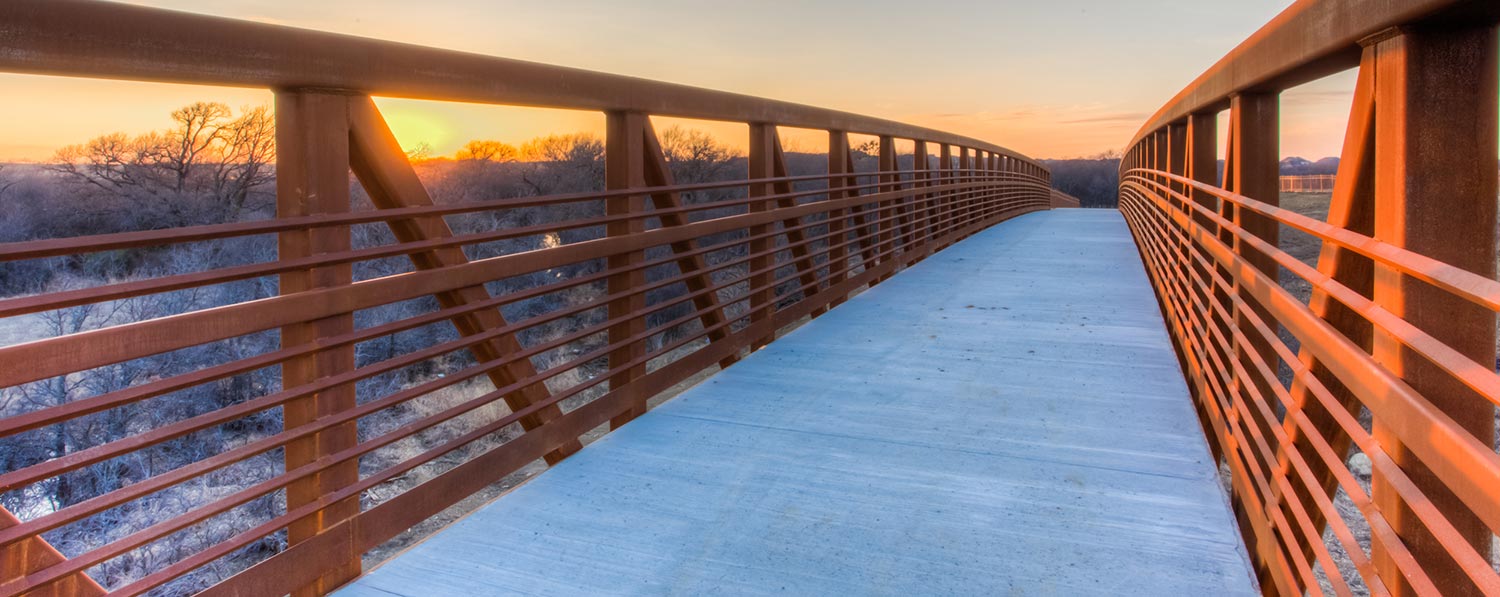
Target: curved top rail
89, 38
1309, 40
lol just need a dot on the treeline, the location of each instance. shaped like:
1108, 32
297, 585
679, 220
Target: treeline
1095, 181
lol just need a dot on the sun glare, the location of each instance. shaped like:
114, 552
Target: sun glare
418, 127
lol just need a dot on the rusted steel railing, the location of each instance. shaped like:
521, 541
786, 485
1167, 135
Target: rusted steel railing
746, 258
1390, 360
1310, 183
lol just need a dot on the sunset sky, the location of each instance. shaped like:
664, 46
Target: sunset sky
1060, 78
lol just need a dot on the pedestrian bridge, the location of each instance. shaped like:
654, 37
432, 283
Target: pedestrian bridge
911, 366
1004, 417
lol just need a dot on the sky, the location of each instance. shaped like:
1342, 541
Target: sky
1053, 79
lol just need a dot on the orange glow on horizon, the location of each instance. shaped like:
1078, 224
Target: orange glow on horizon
1073, 96
69, 111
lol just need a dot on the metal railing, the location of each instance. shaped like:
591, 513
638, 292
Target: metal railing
745, 258
1357, 422
1307, 183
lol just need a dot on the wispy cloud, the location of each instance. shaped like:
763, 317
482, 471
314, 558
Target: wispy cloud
988, 116
1131, 117
1317, 97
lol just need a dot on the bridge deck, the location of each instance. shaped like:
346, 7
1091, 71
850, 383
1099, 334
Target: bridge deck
1006, 416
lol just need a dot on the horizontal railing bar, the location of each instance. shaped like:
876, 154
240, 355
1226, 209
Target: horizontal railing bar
176, 524
1481, 378
1462, 283
1426, 512
105, 346
59, 300
13, 479
54, 247
1471, 470
99, 453
1172, 296
35, 419
1302, 374
1232, 415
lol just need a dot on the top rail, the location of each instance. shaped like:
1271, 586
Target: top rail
88, 38
1309, 40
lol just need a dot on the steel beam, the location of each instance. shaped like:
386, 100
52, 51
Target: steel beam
1435, 189
312, 177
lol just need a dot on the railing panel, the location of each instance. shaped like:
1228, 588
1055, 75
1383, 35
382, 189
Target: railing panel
405, 352
1390, 359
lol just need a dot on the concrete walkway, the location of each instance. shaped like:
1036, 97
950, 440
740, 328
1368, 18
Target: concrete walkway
1006, 417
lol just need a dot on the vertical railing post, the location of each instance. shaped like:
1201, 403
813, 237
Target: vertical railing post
1176, 161
966, 174
1255, 154
921, 202
762, 170
312, 178
887, 212
1173, 160
982, 163
1435, 156
992, 162
978, 196
1046, 177
907, 207
1002, 180
838, 236
1159, 153
1255, 121
946, 198
1202, 158
624, 168
1202, 163
992, 171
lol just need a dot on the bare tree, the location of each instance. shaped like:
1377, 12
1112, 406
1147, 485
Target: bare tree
563, 163
695, 156
210, 166
247, 162
5, 181
480, 150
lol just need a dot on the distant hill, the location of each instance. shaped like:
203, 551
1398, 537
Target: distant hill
1299, 166
1293, 163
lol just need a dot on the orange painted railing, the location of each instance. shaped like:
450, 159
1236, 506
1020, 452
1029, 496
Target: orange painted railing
1357, 421
729, 263
1310, 183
